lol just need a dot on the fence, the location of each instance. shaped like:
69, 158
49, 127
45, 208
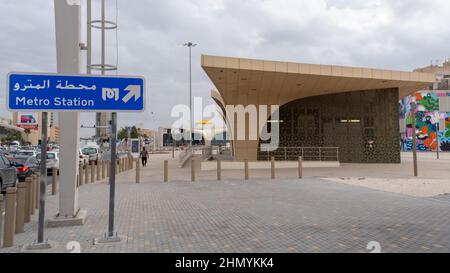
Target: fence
307, 153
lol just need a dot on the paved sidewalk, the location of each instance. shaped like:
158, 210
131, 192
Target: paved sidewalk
321, 213
311, 215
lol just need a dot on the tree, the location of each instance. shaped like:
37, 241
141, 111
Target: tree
123, 132
15, 136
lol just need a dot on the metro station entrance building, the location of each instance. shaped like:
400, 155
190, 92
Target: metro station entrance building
353, 109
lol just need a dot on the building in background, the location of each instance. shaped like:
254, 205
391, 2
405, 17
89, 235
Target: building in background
31, 122
353, 109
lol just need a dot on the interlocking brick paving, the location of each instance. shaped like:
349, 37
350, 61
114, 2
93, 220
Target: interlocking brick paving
259, 215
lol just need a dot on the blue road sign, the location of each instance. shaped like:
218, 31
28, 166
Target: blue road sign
55, 92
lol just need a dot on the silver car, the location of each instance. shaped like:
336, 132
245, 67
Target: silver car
8, 174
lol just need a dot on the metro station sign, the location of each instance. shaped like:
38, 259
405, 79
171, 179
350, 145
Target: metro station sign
55, 92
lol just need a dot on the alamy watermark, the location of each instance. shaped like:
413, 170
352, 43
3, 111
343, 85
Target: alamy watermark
241, 123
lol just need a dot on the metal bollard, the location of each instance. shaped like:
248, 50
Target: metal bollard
138, 174
10, 214
166, 171
93, 173
98, 171
20, 209
300, 167
32, 194
80, 175
54, 181
272, 168
86, 173
246, 169
219, 170
29, 184
1, 218
103, 170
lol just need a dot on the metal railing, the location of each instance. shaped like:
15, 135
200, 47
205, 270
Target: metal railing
307, 153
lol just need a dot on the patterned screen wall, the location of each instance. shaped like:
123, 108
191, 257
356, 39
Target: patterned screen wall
364, 125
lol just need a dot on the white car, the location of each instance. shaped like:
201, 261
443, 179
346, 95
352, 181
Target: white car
93, 153
51, 162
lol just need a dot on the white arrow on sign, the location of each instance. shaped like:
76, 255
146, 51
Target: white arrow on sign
133, 91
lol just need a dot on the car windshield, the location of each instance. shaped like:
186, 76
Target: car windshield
89, 151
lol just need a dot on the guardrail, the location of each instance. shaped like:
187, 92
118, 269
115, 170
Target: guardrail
307, 153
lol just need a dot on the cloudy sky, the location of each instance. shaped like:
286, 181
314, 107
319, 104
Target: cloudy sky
402, 34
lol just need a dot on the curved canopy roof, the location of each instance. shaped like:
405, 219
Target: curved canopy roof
261, 82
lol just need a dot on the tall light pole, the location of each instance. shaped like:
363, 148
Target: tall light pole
190, 45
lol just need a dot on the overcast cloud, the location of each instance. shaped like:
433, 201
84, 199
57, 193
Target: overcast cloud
402, 34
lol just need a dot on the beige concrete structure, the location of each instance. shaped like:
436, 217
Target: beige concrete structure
242, 81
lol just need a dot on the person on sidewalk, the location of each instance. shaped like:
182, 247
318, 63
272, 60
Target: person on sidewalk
144, 155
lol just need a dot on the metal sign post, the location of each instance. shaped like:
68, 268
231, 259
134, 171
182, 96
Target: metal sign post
70, 93
43, 177
112, 179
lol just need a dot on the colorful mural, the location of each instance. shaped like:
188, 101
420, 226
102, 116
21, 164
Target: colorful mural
427, 122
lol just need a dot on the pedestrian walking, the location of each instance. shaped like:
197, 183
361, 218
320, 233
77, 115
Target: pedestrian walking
144, 155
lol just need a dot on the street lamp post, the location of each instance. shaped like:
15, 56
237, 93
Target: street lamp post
190, 45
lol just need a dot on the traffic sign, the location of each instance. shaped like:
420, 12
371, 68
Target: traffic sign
56, 92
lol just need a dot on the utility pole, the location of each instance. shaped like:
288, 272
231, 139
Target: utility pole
98, 116
190, 45
104, 25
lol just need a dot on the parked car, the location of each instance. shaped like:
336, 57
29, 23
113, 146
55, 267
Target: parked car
51, 162
26, 166
8, 174
93, 152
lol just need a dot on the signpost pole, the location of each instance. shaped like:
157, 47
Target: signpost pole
112, 178
43, 178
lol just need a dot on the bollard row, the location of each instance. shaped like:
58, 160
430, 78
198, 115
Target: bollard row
219, 169
91, 173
